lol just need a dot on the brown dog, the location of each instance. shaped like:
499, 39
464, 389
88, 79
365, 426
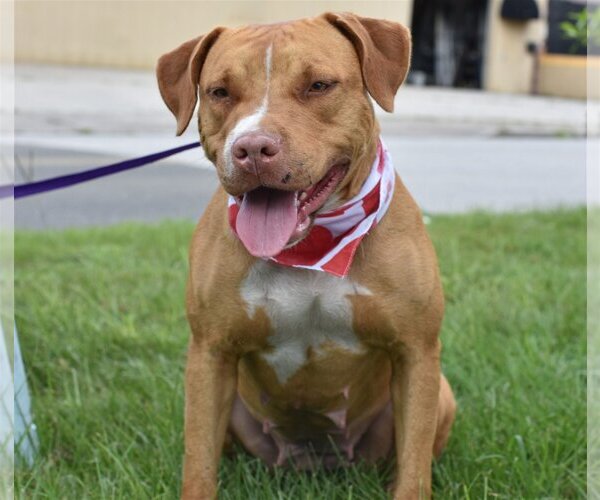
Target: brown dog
301, 365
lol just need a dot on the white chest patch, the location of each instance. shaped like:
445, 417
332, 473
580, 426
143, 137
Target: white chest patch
307, 309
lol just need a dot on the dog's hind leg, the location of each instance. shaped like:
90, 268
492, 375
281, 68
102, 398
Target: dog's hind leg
377, 441
375, 444
446, 413
254, 437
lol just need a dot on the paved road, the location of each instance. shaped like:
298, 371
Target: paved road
450, 174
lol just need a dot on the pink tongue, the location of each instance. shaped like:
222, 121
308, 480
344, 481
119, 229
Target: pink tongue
266, 221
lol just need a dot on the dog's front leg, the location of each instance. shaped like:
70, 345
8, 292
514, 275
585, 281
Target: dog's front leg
210, 386
415, 387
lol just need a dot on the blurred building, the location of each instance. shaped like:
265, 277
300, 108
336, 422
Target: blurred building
498, 45
502, 45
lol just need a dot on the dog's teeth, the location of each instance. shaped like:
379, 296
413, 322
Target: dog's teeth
302, 196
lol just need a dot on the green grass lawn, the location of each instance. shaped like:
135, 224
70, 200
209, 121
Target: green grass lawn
101, 320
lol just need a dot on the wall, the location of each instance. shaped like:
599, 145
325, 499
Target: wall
570, 76
508, 66
135, 33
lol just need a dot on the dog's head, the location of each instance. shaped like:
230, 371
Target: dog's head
285, 114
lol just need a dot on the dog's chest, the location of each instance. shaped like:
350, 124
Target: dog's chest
310, 313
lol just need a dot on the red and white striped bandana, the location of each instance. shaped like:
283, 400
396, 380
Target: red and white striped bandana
335, 235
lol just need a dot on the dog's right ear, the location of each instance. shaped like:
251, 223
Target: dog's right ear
178, 74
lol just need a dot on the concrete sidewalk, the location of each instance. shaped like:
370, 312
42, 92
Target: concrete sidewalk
83, 101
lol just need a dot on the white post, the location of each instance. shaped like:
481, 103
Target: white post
26, 441
18, 438
6, 420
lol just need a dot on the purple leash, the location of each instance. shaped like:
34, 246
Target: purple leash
63, 181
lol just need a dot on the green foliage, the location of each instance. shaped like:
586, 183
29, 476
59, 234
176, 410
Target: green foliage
101, 318
582, 26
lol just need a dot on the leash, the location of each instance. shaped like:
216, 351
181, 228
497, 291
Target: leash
63, 181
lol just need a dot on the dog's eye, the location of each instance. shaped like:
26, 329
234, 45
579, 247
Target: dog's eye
219, 93
319, 87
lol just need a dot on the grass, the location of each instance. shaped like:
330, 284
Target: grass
101, 320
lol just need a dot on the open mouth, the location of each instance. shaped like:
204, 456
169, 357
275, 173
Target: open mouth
269, 219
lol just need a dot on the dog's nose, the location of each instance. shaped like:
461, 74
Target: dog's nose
256, 151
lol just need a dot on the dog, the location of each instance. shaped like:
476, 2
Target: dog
314, 297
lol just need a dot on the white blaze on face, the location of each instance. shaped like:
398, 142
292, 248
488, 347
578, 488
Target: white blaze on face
251, 122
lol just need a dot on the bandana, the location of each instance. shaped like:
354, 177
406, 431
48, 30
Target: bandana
332, 241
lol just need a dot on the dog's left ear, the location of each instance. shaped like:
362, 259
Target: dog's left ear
383, 49
178, 74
